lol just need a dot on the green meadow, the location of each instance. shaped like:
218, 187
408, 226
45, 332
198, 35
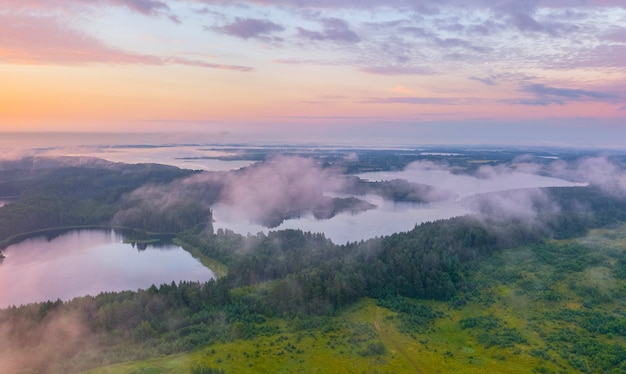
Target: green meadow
553, 307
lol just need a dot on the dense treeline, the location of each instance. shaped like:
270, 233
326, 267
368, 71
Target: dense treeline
87, 194
398, 190
287, 273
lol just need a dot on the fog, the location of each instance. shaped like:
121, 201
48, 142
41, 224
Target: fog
129, 148
486, 179
390, 217
55, 337
262, 193
290, 192
597, 171
295, 188
242, 200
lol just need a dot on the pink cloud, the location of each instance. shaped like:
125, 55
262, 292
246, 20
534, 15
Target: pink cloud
421, 5
44, 40
40, 40
397, 70
146, 7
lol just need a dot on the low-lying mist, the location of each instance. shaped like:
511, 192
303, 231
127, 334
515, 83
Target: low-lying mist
297, 192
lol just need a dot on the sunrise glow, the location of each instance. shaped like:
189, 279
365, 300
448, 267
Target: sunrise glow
334, 69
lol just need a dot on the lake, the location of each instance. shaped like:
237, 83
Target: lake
387, 218
88, 262
390, 217
131, 148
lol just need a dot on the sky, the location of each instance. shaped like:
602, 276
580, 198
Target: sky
533, 72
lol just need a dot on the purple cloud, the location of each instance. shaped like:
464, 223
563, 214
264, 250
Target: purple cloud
418, 32
547, 95
203, 64
422, 33
411, 100
525, 22
147, 7
567, 93
247, 28
426, 6
397, 70
456, 42
334, 29
488, 80
536, 102
617, 36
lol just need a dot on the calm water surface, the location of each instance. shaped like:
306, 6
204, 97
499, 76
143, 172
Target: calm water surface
88, 262
387, 218
390, 217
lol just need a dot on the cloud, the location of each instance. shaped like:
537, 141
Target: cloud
333, 29
548, 95
536, 102
397, 70
617, 35
37, 40
443, 42
567, 93
45, 40
542, 89
415, 31
403, 90
247, 28
203, 64
265, 193
459, 43
411, 100
488, 80
422, 6
597, 171
525, 22
145, 7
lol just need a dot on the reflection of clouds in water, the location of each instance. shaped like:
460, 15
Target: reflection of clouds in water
491, 179
386, 219
180, 150
184, 157
88, 262
391, 217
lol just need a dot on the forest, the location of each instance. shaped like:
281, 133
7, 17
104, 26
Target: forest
290, 283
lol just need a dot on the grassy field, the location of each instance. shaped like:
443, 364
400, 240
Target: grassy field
364, 339
556, 307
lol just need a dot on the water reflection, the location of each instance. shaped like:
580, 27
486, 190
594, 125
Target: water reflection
183, 156
87, 262
466, 185
389, 217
